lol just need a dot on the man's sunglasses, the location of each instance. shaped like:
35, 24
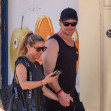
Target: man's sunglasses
67, 24
38, 49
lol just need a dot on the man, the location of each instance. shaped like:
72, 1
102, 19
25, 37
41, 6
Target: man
62, 54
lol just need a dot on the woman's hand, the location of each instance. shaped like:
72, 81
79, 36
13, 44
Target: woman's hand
49, 79
64, 99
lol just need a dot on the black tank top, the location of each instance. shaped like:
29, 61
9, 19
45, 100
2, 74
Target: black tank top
37, 75
66, 61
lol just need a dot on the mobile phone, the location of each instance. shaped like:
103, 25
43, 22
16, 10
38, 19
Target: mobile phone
56, 72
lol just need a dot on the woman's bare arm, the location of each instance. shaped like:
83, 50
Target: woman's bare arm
48, 93
21, 72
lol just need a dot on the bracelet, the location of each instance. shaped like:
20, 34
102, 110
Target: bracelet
41, 82
59, 92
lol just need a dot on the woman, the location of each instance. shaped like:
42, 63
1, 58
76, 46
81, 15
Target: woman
30, 50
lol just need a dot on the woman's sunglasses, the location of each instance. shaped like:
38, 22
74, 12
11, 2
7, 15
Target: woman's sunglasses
38, 49
67, 24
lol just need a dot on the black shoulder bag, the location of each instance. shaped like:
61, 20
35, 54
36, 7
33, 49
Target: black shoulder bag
12, 96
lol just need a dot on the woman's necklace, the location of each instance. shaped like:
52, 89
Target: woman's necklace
34, 62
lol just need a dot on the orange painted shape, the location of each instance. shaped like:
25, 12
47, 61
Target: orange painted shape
77, 45
77, 39
44, 28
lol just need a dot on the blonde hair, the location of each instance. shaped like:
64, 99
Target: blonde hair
30, 39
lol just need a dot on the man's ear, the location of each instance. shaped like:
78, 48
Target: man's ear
59, 22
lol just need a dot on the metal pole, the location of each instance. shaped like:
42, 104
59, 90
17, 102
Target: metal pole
4, 42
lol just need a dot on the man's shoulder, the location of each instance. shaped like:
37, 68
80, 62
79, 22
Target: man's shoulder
55, 36
54, 39
52, 42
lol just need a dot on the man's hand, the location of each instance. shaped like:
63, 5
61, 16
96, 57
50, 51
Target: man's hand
64, 99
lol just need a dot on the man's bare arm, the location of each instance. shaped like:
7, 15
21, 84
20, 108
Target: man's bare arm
49, 59
49, 63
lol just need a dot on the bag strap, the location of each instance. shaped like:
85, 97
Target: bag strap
30, 79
